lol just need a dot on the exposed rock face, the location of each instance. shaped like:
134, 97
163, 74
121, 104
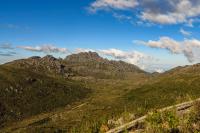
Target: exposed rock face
35, 57
49, 58
91, 64
84, 57
36, 63
93, 60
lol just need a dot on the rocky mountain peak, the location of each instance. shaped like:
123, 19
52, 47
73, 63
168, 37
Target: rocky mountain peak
84, 57
35, 57
49, 58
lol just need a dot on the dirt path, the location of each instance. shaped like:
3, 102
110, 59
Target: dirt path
179, 107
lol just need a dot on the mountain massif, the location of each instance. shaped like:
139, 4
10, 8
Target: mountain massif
85, 92
83, 64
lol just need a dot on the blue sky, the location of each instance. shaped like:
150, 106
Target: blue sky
153, 34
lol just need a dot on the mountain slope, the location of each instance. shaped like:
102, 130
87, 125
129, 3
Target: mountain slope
165, 89
91, 64
24, 93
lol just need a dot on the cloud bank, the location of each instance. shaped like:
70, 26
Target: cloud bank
159, 70
6, 49
6, 46
79, 50
112, 4
156, 11
45, 49
184, 32
9, 53
186, 47
133, 57
173, 12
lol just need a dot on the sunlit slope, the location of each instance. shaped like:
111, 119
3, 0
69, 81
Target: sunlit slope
176, 85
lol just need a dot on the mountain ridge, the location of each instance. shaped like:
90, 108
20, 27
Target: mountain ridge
81, 64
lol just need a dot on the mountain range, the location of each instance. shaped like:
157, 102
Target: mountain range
82, 91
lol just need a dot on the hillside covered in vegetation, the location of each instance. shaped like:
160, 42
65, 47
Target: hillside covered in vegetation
86, 93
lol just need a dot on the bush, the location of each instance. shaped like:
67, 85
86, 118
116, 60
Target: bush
161, 122
192, 120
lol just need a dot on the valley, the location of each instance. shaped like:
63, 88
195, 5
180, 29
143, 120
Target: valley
83, 92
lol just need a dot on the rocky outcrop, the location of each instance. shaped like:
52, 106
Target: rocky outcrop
91, 62
35, 57
49, 58
47, 64
84, 57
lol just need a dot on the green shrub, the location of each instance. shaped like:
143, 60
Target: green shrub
159, 122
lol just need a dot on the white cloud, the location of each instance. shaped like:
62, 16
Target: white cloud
161, 18
156, 11
133, 57
79, 50
164, 43
159, 70
45, 49
184, 32
190, 23
186, 47
176, 11
6, 46
112, 4
121, 16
